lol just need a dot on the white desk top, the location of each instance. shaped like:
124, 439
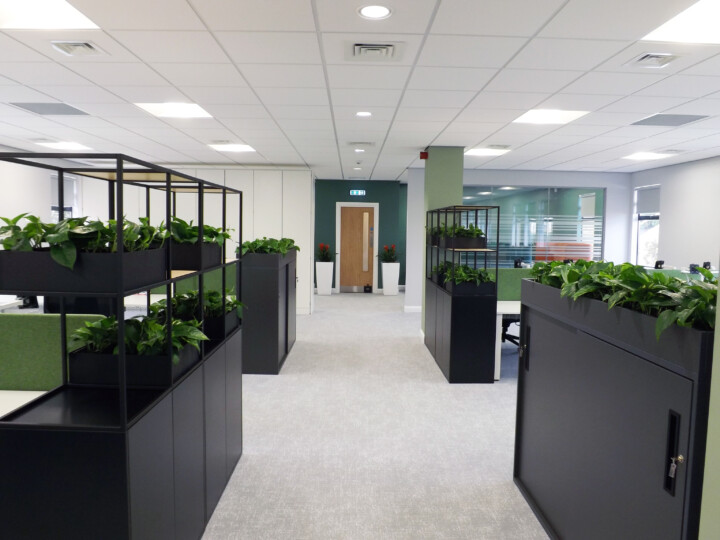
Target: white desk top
508, 307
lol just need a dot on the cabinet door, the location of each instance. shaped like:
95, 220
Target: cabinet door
282, 313
443, 333
291, 304
215, 429
233, 397
150, 458
189, 459
430, 316
593, 431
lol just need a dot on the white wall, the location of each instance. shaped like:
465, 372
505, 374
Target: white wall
25, 189
415, 247
689, 217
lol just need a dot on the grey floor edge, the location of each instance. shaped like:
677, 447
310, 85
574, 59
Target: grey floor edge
361, 437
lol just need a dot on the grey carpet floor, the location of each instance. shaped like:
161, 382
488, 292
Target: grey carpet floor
361, 437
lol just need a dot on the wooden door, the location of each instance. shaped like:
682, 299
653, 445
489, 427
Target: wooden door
356, 248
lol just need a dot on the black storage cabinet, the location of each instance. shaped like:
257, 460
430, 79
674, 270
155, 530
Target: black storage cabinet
115, 460
269, 285
460, 319
604, 409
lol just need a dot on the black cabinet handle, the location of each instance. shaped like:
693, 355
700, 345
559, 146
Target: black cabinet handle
672, 458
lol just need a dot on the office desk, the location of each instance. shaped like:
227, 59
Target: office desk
504, 307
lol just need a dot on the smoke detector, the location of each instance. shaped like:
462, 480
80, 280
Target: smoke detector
652, 60
77, 48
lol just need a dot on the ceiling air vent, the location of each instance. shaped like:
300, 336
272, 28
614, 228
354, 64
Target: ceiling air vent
50, 109
668, 120
374, 51
652, 60
77, 48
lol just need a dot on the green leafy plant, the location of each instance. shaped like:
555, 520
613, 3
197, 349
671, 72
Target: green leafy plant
183, 232
214, 304
388, 254
459, 231
463, 273
144, 336
268, 245
670, 299
323, 253
186, 306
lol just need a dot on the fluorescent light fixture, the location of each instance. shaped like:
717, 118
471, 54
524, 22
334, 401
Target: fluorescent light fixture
467, 198
484, 193
647, 156
375, 13
363, 114
42, 15
357, 168
64, 145
359, 150
487, 151
507, 188
697, 24
175, 110
549, 116
230, 147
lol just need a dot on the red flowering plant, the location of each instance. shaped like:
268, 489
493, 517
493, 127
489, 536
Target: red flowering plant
323, 253
388, 254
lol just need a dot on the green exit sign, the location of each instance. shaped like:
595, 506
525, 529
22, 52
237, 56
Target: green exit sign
357, 192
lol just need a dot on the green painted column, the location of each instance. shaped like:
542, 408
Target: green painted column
709, 516
443, 184
443, 176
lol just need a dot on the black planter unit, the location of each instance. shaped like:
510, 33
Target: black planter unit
126, 447
604, 410
460, 318
194, 256
269, 285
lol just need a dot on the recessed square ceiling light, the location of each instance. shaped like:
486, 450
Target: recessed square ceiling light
357, 168
175, 110
549, 116
231, 147
64, 145
363, 114
359, 150
42, 15
487, 151
646, 156
697, 24
375, 13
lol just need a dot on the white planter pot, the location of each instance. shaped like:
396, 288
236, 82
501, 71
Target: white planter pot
391, 277
324, 277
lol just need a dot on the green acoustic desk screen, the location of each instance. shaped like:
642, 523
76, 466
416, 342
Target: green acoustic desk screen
30, 352
509, 282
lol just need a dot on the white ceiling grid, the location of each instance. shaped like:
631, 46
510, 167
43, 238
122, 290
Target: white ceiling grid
279, 75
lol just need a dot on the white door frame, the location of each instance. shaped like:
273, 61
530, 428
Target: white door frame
376, 211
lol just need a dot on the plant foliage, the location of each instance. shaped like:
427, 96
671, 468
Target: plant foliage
183, 232
323, 253
388, 254
690, 303
268, 245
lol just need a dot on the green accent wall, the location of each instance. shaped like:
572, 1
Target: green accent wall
709, 515
392, 202
444, 176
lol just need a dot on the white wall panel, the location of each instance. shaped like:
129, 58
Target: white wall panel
267, 204
242, 180
415, 247
24, 189
298, 223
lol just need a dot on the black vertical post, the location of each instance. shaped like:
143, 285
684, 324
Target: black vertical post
111, 198
120, 300
63, 319
201, 233
169, 212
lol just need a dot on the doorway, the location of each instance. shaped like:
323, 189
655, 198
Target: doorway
356, 238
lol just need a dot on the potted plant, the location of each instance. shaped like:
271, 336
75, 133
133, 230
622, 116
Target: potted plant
146, 351
463, 280
390, 270
324, 270
461, 237
188, 252
78, 254
220, 317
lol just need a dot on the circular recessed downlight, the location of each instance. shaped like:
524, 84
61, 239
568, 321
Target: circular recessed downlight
374, 13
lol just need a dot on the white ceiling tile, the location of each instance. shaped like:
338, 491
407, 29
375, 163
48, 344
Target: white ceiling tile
194, 123
119, 74
236, 111
688, 56
119, 110
140, 15
530, 80
565, 54
645, 104
308, 123
269, 15
13, 51
577, 102
499, 18
442, 78
619, 84
375, 130
408, 16
299, 111
436, 98
408, 139
365, 98
489, 115
256, 126
339, 48
612, 19
221, 95
22, 94
379, 77
429, 127
271, 47
149, 94
609, 119
85, 123
507, 100
203, 74
638, 132
172, 46
469, 51
379, 114
284, 75
293, 96
75, 95
683, 86
40, 41
43, 73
